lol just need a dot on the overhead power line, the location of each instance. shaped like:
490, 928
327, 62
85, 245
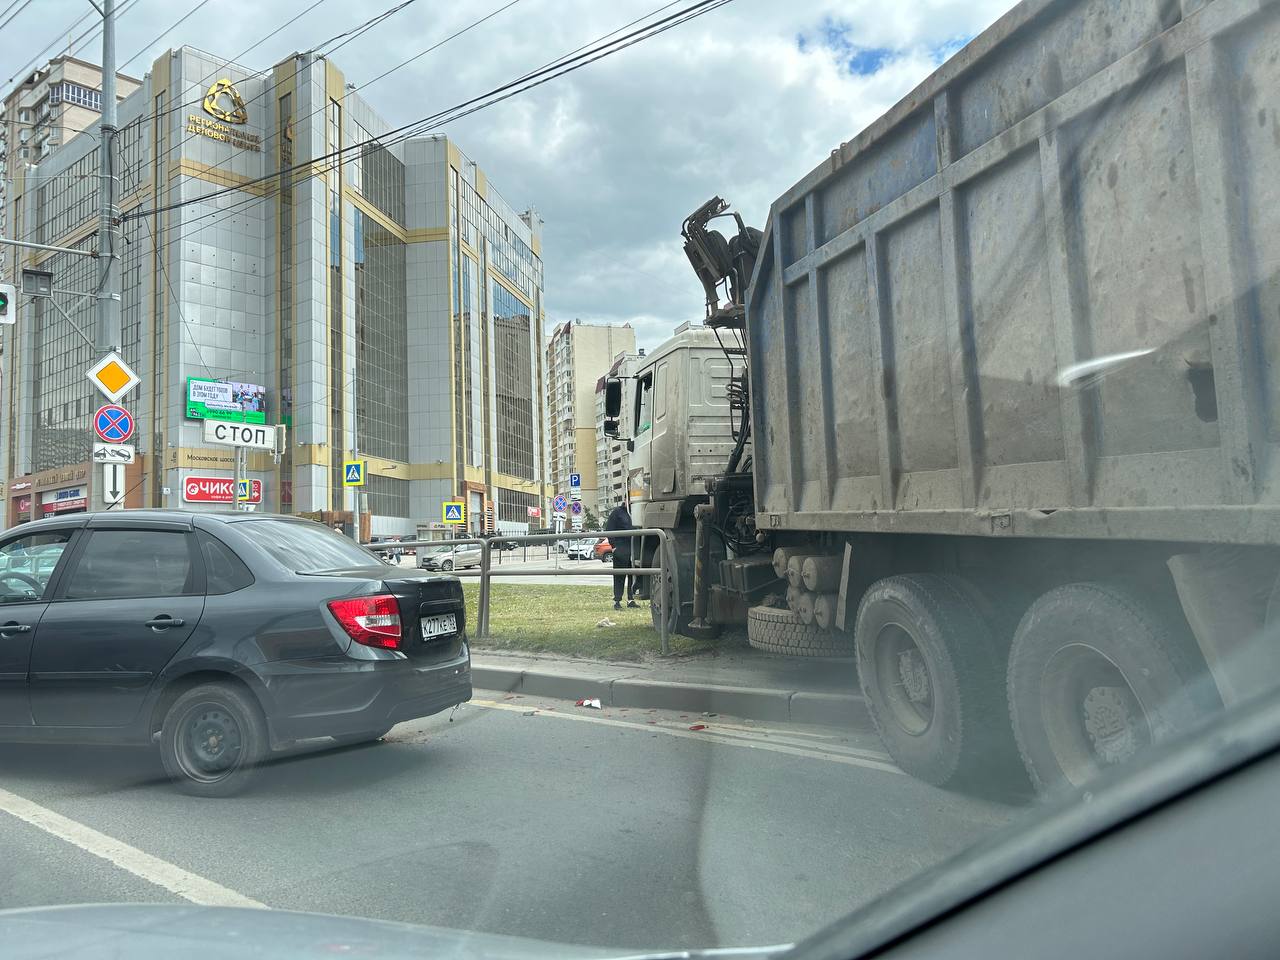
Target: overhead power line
13, 16
554, 69
173, 26
22, 70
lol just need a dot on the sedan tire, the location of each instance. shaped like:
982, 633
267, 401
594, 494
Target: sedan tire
212, 739
447, 565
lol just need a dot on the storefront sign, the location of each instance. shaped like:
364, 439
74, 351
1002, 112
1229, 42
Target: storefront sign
218, 490
24, 504
226, 400
19, 485
66, 500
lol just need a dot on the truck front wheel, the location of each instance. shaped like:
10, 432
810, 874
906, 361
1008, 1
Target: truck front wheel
929, 667
1096, 675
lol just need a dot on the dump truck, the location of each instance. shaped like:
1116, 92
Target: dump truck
1003, 410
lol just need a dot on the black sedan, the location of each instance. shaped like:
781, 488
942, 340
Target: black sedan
217, 637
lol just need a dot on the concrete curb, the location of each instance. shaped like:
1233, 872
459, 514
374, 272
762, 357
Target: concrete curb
750, 703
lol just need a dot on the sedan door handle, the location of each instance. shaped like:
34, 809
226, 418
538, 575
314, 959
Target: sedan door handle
163, 623
15, 628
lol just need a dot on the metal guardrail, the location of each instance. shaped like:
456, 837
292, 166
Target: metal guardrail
665, 556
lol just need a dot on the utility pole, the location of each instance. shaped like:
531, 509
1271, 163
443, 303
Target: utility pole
107, 319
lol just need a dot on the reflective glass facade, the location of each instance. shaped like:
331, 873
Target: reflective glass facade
389, 304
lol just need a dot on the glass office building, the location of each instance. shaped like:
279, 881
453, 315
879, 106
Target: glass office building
381, 300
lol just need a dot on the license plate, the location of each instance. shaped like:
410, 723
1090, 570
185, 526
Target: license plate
439, 625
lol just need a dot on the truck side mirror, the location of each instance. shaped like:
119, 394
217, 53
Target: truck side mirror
612, 406
613, 397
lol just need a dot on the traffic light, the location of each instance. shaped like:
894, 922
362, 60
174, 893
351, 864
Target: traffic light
8, 303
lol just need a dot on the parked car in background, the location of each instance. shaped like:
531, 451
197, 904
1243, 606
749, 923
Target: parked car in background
604, 550
449, 557
582, 549
217, 638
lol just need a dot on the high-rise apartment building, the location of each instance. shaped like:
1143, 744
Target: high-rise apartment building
377, 297
577, 354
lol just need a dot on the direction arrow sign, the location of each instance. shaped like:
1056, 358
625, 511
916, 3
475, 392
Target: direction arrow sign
113, 424
112, 483
112, 376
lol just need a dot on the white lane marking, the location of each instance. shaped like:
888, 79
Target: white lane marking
704, 735
171, 877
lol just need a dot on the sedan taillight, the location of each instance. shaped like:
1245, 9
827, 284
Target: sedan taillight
373, 621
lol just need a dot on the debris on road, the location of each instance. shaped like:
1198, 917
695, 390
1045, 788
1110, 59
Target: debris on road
698, 726
711, 714
606, 622
592, 702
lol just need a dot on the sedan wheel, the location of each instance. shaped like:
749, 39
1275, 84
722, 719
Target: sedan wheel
211, 740
447, 565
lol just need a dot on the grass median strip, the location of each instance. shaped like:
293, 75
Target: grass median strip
564, 619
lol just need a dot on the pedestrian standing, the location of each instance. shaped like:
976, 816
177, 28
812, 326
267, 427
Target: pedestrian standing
620, 519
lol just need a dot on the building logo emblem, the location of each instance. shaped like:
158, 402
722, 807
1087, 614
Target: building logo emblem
223, 102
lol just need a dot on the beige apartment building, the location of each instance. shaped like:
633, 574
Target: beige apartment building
578, 354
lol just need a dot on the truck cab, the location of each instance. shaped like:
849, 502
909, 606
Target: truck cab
675, 411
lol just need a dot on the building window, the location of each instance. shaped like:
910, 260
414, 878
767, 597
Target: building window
513, 505
388, 496
74, 93
382, 362
514, 385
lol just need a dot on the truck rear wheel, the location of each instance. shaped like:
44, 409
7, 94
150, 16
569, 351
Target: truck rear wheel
782, 631
1095, 675
930, 672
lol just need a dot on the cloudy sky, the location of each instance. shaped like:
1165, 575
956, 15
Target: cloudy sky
741, 102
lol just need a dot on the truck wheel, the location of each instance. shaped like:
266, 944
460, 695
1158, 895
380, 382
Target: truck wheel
211, 740
660, 594
1095, 675
782, 631
930, 673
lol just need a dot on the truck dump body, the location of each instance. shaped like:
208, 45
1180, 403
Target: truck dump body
1086, 180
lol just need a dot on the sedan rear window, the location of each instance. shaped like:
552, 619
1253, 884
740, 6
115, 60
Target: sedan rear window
306, 547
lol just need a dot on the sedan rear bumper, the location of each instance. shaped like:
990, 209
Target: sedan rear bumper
341, 697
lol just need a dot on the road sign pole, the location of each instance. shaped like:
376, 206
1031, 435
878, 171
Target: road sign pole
107, 320
235, 484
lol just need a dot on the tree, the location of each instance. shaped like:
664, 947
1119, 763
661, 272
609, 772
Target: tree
590, 521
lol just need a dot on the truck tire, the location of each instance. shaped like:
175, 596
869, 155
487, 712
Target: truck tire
930, 669
1095, 675
782, 631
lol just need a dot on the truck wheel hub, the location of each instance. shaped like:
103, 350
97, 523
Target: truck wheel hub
1109, 721
915, 676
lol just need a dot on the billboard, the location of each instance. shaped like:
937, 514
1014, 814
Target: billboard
226, 400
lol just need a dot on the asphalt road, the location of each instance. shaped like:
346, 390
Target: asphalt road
526, 817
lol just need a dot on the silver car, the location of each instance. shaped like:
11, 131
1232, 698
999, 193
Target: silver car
449, 556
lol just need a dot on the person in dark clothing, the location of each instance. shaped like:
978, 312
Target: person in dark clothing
620, 519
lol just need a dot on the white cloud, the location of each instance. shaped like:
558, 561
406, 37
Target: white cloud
741, 102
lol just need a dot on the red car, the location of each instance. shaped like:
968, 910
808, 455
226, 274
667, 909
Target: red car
604, 550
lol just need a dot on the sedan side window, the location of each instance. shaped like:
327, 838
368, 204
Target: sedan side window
119, 564
27, 565
224, 572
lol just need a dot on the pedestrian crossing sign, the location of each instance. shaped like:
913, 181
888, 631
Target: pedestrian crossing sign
353, 472
454, 511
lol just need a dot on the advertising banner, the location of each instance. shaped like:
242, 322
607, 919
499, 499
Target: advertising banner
226, 400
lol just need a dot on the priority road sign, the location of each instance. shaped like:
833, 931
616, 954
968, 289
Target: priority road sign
577, 507
561, 503
112, 376
453, 511
353, 472
113, 424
